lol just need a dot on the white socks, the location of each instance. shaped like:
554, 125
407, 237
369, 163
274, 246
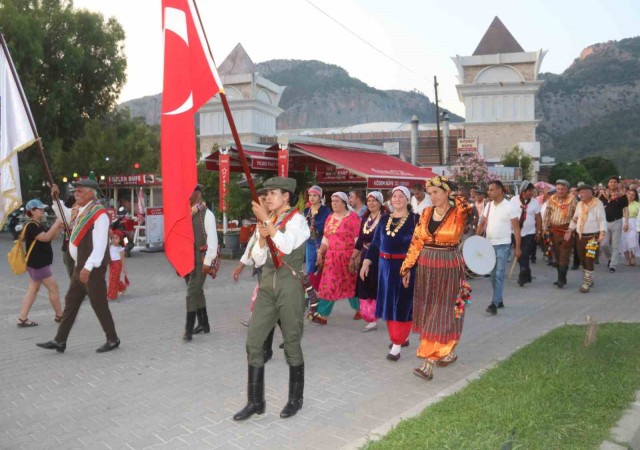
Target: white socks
395, 349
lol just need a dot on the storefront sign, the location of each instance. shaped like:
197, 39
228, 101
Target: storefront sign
224, 181
338, 176
388, 183
467, 145
154, 230
139, 179
283, 163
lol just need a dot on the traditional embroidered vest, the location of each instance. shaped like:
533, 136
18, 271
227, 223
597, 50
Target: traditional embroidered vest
85, 247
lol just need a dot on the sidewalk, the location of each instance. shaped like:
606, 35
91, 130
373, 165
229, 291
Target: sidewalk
157, 392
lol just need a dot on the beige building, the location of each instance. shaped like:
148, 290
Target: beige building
253, 101
498, 84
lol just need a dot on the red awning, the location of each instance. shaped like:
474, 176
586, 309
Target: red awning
381, 171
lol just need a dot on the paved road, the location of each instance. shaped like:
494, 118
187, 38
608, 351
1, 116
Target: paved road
157, 392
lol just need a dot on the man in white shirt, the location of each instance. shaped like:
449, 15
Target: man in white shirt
498, 220
530, 222
420, 200
88, 246
590, 223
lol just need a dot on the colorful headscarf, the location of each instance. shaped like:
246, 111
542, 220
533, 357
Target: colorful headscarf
377, 195
439, 181
402, 189
315, 190
341, 195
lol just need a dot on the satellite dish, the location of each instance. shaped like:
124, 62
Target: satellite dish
479, 255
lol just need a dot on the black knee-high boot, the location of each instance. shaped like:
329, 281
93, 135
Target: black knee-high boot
188, 329
296, 390
255, 395
203, 322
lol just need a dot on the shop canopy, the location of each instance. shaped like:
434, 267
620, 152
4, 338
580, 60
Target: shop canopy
335, 163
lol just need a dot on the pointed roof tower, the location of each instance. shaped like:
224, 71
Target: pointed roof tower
497, 40
238, 62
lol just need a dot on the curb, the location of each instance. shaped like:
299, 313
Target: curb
626, 433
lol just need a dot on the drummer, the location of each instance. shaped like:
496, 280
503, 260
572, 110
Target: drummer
498, 220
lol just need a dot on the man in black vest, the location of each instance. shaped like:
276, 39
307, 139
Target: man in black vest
205, 251
88, 246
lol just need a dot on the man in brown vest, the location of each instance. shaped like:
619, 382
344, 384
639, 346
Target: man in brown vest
88, 246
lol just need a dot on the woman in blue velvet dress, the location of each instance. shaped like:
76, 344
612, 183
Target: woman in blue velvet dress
316, 215
390, 245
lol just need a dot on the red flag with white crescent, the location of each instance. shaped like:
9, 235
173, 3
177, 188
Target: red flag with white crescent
190, 80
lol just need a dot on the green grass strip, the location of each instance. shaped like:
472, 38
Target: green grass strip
552, 394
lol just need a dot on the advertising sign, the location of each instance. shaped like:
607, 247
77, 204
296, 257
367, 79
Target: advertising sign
155, 225
224, 181
467, 145
283, 163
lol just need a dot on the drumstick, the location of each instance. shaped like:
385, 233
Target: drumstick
513, 266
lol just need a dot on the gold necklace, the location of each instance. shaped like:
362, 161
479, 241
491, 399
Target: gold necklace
334, 224
367, 229
393, 232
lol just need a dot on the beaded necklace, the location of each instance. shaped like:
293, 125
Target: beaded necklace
333, 225
393, 232
370, 224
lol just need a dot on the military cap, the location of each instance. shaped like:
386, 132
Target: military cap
286, 184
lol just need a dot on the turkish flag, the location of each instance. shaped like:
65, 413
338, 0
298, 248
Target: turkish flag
190, 80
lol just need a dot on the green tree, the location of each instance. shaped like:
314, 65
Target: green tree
599, 168
516, 157
72, 67
111, 145
572, 172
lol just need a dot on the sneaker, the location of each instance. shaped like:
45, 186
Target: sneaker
500, 305
492, 309
612, 269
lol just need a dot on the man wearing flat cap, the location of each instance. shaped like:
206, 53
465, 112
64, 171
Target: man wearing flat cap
88, 246
205, 250
280, 294
530, 222
590, 224
560, 210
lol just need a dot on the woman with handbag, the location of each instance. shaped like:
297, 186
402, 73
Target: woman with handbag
394, 302
37, 239
441, 290
367, 287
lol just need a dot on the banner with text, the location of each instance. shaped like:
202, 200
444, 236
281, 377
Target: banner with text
224, 181
283, 163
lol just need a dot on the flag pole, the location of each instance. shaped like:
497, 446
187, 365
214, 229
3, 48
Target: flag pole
236, 138
33, 127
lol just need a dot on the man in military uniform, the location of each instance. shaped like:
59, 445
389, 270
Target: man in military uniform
280, 295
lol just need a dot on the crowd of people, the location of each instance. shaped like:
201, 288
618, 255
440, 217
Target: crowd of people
398, 260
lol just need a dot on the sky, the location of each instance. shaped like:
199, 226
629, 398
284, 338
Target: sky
412, 40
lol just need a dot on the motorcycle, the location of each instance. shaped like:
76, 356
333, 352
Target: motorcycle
125, 225
16, 222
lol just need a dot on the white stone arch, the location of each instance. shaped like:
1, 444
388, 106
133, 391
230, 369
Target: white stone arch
233, 93
501, 73
263, 96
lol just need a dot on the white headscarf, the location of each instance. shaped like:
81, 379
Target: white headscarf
341, 195
377, 195
404, 190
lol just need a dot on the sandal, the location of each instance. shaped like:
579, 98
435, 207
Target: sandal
57, 319
425, 372
26, 323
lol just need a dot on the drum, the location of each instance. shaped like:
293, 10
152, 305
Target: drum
479, 255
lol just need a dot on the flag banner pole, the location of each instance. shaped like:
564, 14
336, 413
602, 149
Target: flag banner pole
25, 104
236, 139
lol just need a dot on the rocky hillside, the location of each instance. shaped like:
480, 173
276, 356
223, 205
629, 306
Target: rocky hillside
592, 108
320, 95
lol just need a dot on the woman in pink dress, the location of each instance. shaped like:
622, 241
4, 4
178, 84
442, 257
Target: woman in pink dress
340, 233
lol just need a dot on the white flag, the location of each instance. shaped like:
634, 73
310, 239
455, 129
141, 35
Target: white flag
15, 135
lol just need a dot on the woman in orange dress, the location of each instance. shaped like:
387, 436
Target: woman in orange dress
440, 287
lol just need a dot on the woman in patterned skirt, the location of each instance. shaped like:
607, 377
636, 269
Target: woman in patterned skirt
340, 234
440, 287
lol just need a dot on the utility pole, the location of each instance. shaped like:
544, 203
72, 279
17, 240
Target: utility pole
435, 87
